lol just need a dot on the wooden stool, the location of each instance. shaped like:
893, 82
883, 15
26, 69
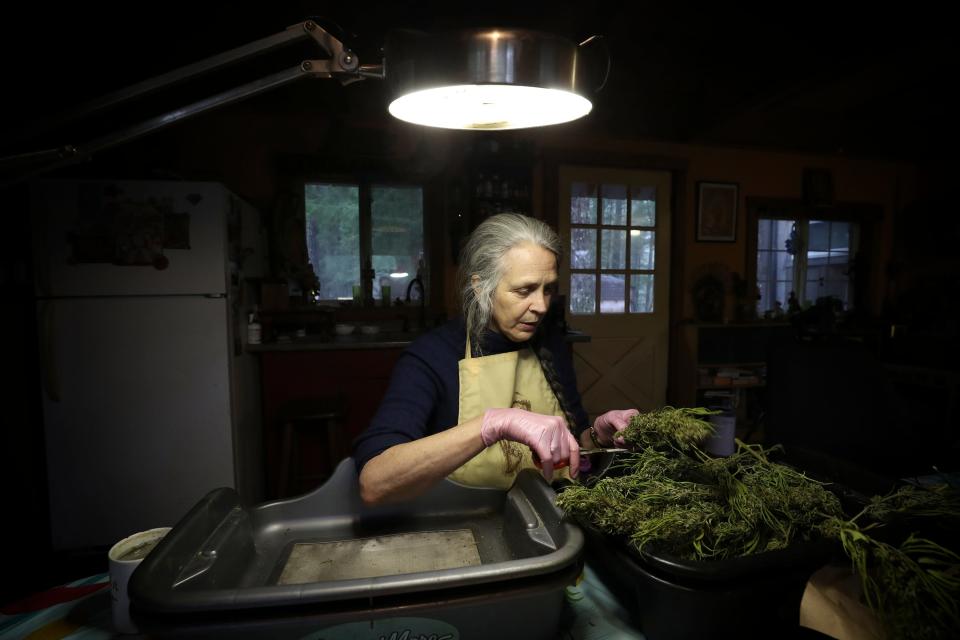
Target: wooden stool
319, 415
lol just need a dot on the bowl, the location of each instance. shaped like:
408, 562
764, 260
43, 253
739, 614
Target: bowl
343, 329
369, 329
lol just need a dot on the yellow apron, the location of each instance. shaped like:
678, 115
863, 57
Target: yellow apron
512, 379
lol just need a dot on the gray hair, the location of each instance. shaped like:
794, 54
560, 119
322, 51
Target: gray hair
482, 256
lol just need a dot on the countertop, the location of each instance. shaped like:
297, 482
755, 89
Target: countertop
382, 340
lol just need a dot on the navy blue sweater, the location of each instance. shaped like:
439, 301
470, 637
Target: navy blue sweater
424, 391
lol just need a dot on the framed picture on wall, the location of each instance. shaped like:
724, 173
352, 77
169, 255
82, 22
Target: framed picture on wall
717, 211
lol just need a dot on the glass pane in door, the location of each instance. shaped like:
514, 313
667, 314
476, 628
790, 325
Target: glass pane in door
614, 200
583, 248
643, 206
613, 249
641, 293
583, 293
583, 203
642, 249
612, 291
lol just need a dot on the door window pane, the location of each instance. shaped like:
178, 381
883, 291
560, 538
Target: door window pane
641, 249
583, 249
643, 207
583, 203
583, 293
613, 288
641, 293
332, 214
613, 249
397, 236
614, 199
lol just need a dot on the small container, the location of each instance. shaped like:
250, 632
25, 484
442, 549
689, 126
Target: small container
722, 443
369, 329
385, 291
343, 329
124, 557
254, 328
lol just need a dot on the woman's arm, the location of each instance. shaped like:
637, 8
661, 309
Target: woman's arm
406, 470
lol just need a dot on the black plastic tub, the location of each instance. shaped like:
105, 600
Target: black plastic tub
457, 562
755, 596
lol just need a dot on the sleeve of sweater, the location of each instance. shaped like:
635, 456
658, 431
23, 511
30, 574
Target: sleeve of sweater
405, 412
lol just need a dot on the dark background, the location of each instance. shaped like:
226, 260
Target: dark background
795, 76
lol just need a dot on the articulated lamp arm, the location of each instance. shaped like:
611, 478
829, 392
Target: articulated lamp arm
340, 63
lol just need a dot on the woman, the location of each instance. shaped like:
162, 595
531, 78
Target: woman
474, 400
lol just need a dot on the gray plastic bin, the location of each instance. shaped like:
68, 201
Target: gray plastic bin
457, 562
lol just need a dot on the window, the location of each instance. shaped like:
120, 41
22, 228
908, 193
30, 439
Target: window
810, 258
350, 227
612, 241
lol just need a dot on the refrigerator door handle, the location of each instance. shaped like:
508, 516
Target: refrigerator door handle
48, 357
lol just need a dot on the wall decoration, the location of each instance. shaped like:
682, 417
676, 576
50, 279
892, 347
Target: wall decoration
717, 211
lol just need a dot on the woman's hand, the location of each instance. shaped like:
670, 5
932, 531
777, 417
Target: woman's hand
547, 436
608, 426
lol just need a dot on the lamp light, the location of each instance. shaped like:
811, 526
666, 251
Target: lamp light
485, 79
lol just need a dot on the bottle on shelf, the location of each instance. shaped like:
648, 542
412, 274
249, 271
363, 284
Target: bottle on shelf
254, 328
385, 291
368, 275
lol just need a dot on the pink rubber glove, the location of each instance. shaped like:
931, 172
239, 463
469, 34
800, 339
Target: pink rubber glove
610, 424
547, 436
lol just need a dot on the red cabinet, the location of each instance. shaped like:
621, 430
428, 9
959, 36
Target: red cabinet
361, 376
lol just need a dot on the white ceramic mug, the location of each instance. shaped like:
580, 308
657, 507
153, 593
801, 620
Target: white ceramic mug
124, 557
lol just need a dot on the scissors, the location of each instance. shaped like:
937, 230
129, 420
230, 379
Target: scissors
583, 452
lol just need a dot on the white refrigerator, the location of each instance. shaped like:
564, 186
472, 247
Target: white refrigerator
149, 397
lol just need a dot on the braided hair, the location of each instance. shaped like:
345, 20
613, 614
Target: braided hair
480, 271
545, 355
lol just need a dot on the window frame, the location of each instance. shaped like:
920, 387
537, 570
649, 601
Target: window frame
366, 182
867, 216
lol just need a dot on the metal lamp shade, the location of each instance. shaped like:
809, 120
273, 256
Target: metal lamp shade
487, 79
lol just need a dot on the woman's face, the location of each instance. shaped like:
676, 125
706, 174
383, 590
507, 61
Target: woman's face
523, 294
